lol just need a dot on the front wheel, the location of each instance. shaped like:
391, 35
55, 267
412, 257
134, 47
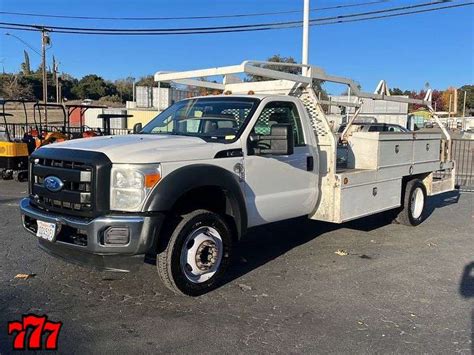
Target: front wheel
197, 253
21, 176
414, 201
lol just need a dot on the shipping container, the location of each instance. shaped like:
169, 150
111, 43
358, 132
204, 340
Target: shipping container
144, 96
90, 117
116, 122
160, 98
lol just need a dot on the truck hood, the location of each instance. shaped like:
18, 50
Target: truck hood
145, 148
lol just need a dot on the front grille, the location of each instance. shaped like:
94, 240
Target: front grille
77, 193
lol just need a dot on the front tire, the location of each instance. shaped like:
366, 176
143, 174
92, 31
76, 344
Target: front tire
413, 211
20, 176
197, 254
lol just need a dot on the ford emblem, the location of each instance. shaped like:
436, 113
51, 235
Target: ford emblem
53, 183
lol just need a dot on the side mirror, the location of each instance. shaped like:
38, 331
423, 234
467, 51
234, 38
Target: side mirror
137, 128
280, 140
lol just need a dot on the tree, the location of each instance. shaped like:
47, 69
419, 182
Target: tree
400, 92
39, 70
276, 58
14, 86
25, 66
93, 87
436, 99
125, 89
149, 80
396, 92
446, 97
68, 83
469, 98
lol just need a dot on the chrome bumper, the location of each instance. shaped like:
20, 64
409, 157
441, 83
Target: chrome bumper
143, 231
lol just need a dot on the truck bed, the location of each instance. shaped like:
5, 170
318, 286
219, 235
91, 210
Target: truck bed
372, 179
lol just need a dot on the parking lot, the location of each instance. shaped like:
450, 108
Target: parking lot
398, 290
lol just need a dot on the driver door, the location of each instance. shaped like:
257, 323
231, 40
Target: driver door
279, 187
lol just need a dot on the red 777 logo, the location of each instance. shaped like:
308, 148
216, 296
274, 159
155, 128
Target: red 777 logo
39, 325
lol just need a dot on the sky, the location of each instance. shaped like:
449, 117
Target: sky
408, 51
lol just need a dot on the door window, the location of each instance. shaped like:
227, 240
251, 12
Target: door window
280, 112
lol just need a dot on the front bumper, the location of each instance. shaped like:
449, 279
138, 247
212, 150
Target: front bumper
80, 240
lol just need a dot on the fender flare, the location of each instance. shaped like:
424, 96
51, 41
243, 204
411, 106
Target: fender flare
181, 181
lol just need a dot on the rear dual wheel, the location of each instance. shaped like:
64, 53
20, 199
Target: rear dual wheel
197, 253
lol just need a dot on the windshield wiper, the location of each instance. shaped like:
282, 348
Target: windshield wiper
160, 132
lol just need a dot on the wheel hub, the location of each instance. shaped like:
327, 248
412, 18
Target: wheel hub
206, 255
417, 203
201, 254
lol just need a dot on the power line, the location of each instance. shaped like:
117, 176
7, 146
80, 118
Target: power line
191, 17
59, 29
19, 29
399, 14
314, 22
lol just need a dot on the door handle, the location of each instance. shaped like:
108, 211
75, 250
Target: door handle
309, 163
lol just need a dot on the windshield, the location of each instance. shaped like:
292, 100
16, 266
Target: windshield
213, 118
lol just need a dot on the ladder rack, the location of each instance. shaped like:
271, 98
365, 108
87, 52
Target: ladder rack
282, 82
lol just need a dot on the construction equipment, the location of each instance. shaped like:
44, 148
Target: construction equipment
49, 133
14, 152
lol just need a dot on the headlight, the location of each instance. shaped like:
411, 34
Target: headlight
131, 184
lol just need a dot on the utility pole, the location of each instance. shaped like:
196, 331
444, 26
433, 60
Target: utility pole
464, 112
133, 90
44, 42
449, 111
56, 80
304, 54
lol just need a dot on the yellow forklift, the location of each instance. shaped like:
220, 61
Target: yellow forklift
14, 151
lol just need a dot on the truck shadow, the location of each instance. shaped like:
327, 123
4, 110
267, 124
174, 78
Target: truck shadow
266, 243
10, 200
442, 200
466, 286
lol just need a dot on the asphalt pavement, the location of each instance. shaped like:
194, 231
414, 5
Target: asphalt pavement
398, 290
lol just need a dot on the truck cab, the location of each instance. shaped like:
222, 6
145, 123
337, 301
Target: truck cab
184, 189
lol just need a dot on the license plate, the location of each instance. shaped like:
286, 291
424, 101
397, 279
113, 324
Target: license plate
46, 230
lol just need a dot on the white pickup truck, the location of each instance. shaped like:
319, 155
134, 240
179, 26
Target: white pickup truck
189, 184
